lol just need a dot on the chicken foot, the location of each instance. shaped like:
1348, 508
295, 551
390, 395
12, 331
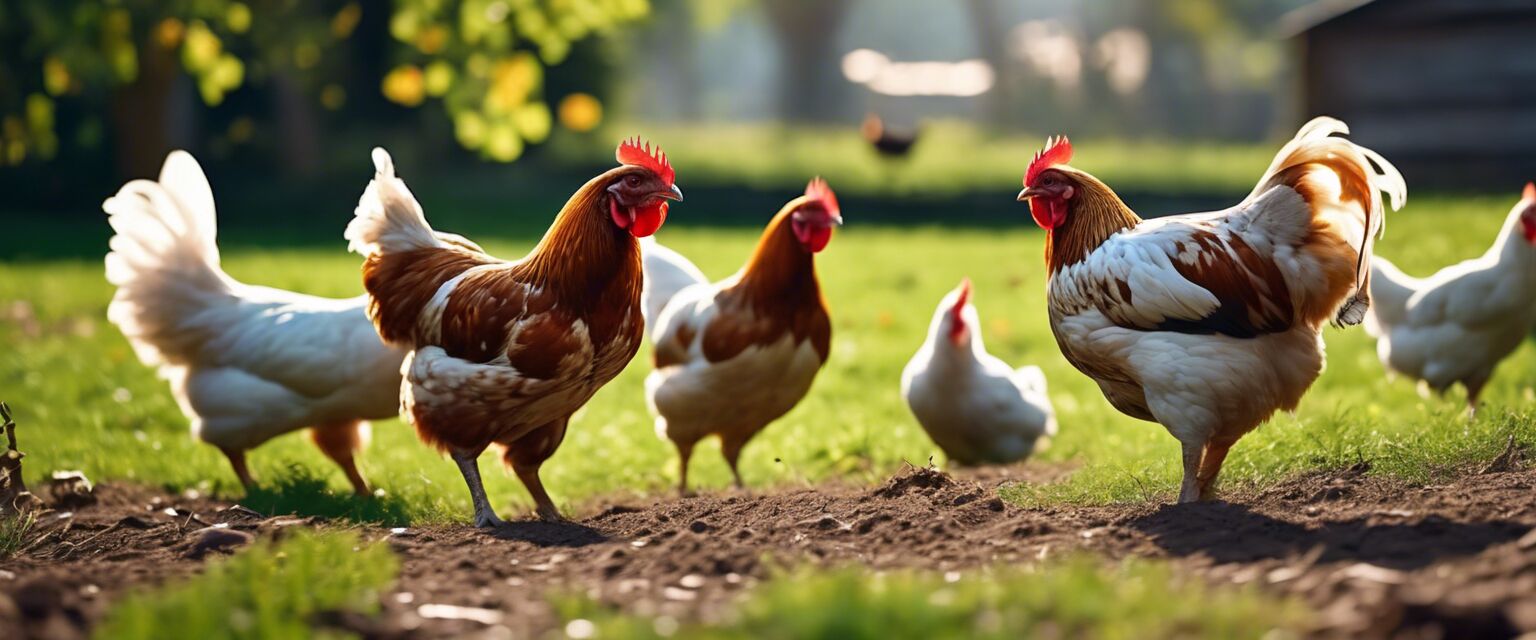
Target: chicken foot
469, 466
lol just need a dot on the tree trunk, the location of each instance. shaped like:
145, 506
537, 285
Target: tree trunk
991, 37
811, 84
298, 126
139, 114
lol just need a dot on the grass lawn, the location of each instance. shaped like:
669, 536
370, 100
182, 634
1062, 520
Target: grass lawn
84, 402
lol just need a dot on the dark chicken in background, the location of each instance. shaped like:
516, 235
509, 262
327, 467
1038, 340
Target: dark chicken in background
888, 142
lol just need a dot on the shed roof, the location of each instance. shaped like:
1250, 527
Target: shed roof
1302, 19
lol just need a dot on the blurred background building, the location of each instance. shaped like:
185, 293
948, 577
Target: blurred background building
1444, 88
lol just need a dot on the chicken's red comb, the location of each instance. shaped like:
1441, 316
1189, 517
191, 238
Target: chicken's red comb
636, 152
822, 192
1058, 150
1530, 191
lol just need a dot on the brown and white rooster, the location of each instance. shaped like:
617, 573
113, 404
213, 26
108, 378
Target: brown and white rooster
505, 352
1207, 323
733, 356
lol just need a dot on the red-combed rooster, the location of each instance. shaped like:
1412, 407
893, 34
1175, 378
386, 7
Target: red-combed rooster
1208, 323
733, 356
505, 352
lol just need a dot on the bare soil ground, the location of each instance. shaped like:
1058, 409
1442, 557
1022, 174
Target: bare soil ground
1375, 557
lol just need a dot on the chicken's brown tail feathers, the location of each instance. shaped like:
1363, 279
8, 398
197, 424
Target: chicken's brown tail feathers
1343, 183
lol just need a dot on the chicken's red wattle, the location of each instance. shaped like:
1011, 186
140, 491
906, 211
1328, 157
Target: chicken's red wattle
813, 236
1049, 213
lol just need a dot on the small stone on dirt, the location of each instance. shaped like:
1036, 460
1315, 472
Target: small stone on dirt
454, 612
679, 595
825, 523
217, 538
70, 490
135, 522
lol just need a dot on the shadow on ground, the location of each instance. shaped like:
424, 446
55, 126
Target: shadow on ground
1236, 533
302, 493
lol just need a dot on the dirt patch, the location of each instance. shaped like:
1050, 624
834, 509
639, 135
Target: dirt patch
1375, 557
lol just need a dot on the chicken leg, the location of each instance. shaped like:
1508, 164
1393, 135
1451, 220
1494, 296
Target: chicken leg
469, 465
1474, 387
731, 449
526, 454
1210, 466
684, 454
237, 462
1190, 490
340, 442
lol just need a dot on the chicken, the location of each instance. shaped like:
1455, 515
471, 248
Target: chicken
887, 142
733, 356
246, 363
504, 352
1208, 323
974, 406
1456, 325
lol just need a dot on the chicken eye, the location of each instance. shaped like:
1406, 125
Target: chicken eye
633, 181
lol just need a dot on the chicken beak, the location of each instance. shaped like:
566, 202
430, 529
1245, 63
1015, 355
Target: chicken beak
674, 194
1027, 193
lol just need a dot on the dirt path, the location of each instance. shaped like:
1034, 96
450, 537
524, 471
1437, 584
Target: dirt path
1376, 557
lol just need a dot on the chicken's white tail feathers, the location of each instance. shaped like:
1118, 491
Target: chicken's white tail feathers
388, 218
1343, 183
1390, 291
1031, 376
666, 273
164, 260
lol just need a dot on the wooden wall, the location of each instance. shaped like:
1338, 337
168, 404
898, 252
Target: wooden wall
1445, 89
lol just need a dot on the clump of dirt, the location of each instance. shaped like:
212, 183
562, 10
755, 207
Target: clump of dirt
1374, 557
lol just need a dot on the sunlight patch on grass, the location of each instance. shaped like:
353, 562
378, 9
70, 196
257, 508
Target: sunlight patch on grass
270, 590
1070, 599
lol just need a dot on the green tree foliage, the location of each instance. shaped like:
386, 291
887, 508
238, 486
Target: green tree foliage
114, 61
485, 61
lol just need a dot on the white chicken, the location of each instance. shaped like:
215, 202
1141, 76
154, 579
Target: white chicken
976, 408
246, 363
1455, 326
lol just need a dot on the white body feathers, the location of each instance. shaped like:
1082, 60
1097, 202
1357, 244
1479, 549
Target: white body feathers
976, 408
1456, 325
246, 363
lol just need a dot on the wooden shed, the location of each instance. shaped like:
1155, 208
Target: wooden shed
1445, 89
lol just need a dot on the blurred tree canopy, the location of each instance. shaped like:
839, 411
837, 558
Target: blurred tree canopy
116, 65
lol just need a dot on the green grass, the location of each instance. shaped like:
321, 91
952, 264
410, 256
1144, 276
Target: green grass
950, 158
15, 532
270, 590
1074, 599
85, 402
